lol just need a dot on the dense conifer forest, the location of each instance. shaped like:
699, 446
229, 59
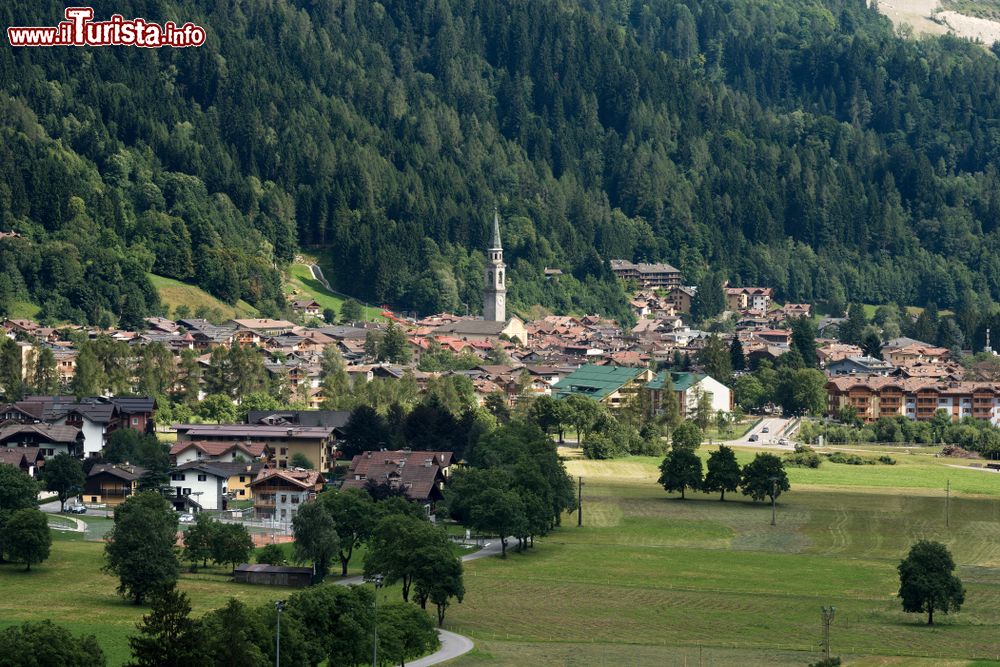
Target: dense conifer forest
800, 144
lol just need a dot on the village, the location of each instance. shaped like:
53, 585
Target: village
660, 363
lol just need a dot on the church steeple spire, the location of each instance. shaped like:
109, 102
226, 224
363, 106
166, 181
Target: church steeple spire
496, 231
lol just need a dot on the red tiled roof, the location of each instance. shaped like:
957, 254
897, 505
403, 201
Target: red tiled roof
252, 449
416, 472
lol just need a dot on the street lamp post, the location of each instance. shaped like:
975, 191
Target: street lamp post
828, 613
774, 496
279, 605
579, 503
377, 580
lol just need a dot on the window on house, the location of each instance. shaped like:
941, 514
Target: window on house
284, 451
284, 497
242, 479
187, 492
284, 513
177, 477
295, 499
135, 421
202, 478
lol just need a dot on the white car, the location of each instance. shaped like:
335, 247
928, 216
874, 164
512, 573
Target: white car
186, 518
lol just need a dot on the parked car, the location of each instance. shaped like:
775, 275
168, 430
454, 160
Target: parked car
186, 518
754, 438
77, 508
765, 430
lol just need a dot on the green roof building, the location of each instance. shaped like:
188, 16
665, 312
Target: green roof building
613, 386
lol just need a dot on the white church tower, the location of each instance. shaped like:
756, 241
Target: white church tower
495, 288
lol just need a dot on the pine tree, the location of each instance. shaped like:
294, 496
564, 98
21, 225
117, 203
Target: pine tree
394, 346
716, 359
89, 378
11, 384
168, 636
334, 381
45, 377
709, 300
804, 340
736, 356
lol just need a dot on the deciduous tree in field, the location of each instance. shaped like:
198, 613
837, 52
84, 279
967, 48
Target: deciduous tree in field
231, 544
45, 643
680, 470
437, 577
336, 621
140, 547
498, 512
64, 475
17, 492
394, 541
316, 538
198, 539
687, 435
353, 513
723, 472
764, 477
927, 583
404, 633
26, 537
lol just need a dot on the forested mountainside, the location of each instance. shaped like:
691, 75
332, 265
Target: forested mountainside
793, 143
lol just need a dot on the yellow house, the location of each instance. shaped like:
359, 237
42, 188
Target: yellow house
238, 484
111, 484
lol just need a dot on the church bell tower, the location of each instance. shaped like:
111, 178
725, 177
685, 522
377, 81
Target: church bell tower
495, 288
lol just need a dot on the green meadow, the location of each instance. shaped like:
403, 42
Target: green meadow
653, 580
650, 579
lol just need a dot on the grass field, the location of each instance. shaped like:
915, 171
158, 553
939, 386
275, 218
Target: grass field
70, 589
302, 283
23, 310
654, 580
987, 9
174, 293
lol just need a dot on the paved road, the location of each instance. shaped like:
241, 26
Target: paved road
452, 644
769, 440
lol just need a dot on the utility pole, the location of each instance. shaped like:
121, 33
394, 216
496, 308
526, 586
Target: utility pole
828, 613
947, 505
579, 502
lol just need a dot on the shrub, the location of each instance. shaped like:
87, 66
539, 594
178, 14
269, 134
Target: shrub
271, 554
803, 459
847, 459
600, 447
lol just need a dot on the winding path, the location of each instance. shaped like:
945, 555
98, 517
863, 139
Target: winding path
318, 275
452, 644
